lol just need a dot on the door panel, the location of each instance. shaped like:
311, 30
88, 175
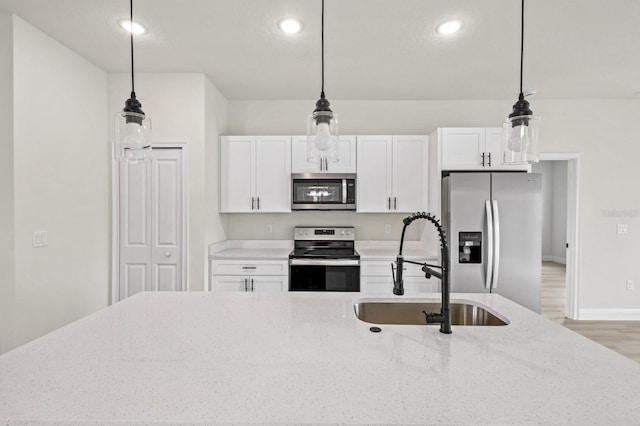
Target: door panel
166, 181
133, 279
135, 228
167, 278
236, 173
519, 200
373, 186
462, 148
409, 187
136, 212
466, 200
273, 173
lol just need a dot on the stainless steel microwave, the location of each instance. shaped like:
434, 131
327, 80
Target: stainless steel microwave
312, 191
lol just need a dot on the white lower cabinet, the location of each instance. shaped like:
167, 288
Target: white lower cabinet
249, 275
375, 277
249, 283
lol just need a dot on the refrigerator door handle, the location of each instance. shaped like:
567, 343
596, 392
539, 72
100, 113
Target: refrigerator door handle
489, 266
496, 264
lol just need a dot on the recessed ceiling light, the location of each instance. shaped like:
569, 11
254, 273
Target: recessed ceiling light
290, 25
136, 28
449, 27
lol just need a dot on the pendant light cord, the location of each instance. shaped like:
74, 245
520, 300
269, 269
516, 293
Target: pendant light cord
322, 42
521, 45
133, 91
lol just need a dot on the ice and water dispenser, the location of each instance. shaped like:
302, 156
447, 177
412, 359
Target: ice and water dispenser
470, 247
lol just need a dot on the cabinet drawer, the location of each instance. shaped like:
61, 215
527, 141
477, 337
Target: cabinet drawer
249, 267
382, 268
253, 283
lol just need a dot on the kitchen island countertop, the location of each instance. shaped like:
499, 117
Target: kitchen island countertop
201, 357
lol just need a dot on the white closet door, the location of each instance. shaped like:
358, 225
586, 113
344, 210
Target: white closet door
135, 228
151, 224
166, 253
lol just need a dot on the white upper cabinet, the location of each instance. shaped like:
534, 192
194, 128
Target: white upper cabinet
346, 157
472, 148
392, 174
255, 174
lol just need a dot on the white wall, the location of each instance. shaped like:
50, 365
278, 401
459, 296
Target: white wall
545, 168
602, 130
554, 209
369, 226
559, 221
215, 115
176, 104
7, 268
61, 183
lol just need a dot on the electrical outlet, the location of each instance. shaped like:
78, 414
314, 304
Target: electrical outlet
630, 285
387, 228
622, 228
39, 239
268, 228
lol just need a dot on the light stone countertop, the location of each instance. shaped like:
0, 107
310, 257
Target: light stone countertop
295, 358
251, 249
280, 250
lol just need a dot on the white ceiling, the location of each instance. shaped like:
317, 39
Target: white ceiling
375, 49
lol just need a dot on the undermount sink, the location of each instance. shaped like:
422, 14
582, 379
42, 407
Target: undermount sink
410, 313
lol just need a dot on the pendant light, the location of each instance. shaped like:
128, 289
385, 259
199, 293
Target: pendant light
133, 127
521, 130
322, 125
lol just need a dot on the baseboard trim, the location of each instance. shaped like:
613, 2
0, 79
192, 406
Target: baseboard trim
554, 259
609, 314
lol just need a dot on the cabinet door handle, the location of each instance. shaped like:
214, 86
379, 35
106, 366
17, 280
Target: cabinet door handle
253, 202
483, 159
251, 284
389, 203
395, 203
245, 284
489, 155
248, 267
258, 203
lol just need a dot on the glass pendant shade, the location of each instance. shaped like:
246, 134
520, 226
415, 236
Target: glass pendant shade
520, 136
520, 132
133, 127
133, 137
322, 137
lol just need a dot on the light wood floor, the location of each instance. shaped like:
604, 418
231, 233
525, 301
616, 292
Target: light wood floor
620, 336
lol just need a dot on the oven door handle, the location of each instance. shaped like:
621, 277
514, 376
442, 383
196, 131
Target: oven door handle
324, 262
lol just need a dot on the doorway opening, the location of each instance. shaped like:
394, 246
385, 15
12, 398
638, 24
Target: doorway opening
560, 192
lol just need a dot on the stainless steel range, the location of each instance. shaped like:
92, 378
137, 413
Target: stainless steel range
324, 259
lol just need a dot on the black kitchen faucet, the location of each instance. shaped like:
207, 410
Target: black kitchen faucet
444, 317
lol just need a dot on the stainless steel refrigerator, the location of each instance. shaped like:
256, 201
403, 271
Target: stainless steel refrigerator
493, 222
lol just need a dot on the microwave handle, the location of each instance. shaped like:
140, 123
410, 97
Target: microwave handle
344, 191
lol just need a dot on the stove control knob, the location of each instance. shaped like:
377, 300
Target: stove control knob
306, 233
341, 232
348, 232
300, 232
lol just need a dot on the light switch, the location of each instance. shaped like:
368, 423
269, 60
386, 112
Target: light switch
39, 239
622, 228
